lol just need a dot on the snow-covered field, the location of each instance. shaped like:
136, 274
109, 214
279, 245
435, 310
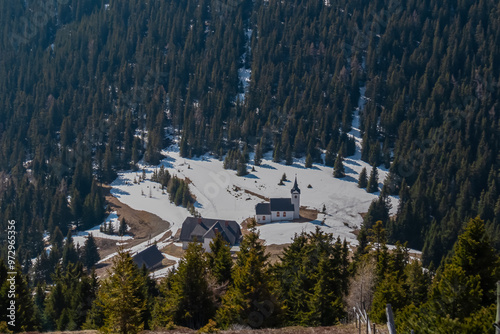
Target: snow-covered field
221, 193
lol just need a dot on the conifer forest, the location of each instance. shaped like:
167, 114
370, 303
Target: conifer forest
90, 88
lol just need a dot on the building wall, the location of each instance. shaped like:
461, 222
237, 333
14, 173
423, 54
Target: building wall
296, 202
288, 216
206, 245
263, 219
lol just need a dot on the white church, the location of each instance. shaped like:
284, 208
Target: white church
279, 208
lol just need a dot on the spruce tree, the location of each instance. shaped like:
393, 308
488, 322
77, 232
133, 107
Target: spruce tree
250, 300
219, 259
330, 154
338, 168
69, 254
188, 298
90, 254
309, 162
363, 179
372, 185
258, 155
122, 296
122, 230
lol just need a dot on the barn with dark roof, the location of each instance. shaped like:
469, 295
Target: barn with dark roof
151, 257
204, 230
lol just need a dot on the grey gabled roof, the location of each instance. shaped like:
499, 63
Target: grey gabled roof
263, 209
205, 228
151, 257
281, 204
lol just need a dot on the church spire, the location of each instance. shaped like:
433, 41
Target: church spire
295, 188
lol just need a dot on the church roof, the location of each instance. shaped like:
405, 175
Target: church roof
281, 204
295, 188
263, 209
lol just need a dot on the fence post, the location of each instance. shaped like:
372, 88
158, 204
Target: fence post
497, 326
390, 319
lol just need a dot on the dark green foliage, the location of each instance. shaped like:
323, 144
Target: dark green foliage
219, 260
463, 289
122, 230
70, 299
121, 297
313, 276
363, 179
338, 168
69, 253
25, 319
187, 299
250, 300
90, 255
372, 185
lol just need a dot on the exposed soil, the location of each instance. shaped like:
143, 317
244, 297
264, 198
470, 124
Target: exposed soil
173, 250
142, 226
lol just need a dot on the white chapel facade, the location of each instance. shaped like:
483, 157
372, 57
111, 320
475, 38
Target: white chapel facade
279, 209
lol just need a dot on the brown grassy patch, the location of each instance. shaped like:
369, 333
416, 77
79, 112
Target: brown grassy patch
173, 250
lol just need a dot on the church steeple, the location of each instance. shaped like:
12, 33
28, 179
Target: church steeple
295, 188
296, 199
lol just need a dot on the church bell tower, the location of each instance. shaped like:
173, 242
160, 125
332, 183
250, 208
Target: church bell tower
296, 199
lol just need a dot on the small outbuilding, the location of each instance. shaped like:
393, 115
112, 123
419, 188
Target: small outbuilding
151, 257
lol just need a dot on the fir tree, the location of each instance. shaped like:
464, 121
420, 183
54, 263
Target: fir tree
90, 254
372, 185
258, 155
250, 293
188, 299
219, 260
122, 230
338, 168
309, 162
363, 179
122, 296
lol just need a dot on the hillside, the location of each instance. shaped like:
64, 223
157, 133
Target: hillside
94, 91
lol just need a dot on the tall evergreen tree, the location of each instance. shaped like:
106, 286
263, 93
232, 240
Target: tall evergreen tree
121, 295
219, 259
188, 300
338, 168
363, 179
250, 300
90, 253
372, 185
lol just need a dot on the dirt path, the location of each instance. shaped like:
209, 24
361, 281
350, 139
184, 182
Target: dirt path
142, 226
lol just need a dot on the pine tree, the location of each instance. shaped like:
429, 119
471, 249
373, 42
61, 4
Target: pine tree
330, 154
188, 299
69, 255
258, 155
372, 185
122, 230
90, 254
121, 296
219, 260
288, 156
363, 179
338, 168
250, 300
309, 162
